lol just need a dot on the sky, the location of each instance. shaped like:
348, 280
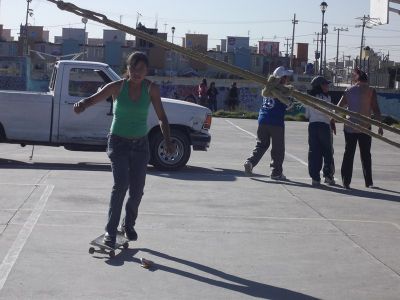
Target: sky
261, 20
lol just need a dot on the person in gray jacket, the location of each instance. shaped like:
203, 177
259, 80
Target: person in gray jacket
320, 138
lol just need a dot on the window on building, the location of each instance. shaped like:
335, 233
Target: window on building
84, 82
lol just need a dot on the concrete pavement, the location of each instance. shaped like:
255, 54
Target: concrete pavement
212, 232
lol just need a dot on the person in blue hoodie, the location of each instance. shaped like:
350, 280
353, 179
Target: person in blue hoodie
271, 130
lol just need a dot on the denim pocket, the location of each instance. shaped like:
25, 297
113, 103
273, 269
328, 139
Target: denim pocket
140, 145
114, 145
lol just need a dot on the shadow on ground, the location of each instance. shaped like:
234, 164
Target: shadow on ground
370, 194
236, 283
189, 173
16, 164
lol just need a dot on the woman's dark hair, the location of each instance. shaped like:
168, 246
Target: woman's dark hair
137, 57
362, 76
134, 59
204, 81
316, 90
212, 84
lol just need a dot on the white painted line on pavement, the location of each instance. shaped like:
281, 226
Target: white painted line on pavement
253, 135
23, 184
19, 243
259, 218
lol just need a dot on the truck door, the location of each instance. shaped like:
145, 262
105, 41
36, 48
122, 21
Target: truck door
91, 126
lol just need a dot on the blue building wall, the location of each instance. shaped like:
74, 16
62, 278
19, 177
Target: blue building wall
70, 46
113, 55
242, 58
8, 48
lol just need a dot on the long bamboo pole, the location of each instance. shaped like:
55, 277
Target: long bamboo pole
317, 103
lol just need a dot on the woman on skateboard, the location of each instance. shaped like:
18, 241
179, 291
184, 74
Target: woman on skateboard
128, 146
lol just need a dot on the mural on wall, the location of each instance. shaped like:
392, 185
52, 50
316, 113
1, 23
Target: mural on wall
389, 103
250, 98
13, 74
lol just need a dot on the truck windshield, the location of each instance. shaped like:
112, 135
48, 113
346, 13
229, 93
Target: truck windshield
115, 75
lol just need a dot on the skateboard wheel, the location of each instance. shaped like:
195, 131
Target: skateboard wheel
112, 254
126, 245
91, 250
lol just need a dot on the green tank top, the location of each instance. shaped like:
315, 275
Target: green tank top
130, 117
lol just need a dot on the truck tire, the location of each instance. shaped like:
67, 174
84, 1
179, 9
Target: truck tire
173, 162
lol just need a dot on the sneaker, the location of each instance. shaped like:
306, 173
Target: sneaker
346, 186
315, 183
248, 168
371, 186
130, 234
278, 177
330, 181
109, 240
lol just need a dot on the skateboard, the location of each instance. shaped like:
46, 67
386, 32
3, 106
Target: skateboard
121, 241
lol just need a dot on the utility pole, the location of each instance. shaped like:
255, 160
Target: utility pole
317, 54
287, 46
29, 13
294, 22
337, 49
348, 64
368, 22
165, 27
364, 22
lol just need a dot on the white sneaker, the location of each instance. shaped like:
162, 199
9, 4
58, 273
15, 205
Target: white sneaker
330, 181
279, 177
248, 168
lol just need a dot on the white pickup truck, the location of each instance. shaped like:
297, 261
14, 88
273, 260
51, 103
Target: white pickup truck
48, 119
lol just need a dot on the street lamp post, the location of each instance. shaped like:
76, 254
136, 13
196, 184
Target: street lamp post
323, 7
173, 32
325, 33
317, 54
84, 21
172, 53
367, 52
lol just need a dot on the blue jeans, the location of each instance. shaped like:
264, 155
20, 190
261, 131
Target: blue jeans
129, 159
320, 150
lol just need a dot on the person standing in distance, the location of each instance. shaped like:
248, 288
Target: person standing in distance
360, 98
271, 128
128, 146
320, 139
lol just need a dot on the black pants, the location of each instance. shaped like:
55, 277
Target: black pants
364, 142
320, 150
